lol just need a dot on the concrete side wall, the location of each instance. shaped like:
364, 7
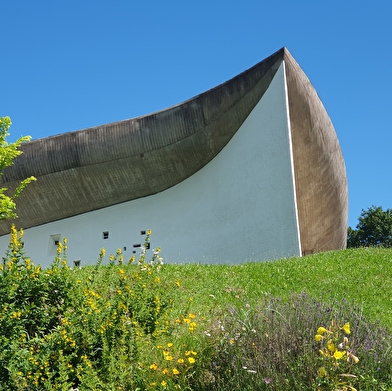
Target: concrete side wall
320, 172
239, 207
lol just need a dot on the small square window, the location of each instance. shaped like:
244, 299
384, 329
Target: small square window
55, 240
142, 232
105, 235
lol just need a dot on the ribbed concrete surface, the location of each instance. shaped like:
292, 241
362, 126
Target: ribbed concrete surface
319, 168
93, 168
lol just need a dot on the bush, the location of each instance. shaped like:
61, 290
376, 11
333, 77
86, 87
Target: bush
107, 327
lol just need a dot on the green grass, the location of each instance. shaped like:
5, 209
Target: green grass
362, 276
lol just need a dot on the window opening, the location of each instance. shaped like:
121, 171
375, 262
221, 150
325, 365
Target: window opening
54, 241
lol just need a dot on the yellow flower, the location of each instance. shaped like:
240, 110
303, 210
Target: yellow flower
154, 366
180, 360
321, 330
339, 354
169, 345
168, 357
178, 283
165, 371
16, 315
318, 337
163, 383
346, 328
191, 360
331, 346
176, 371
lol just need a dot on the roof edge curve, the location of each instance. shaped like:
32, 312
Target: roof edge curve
126, 160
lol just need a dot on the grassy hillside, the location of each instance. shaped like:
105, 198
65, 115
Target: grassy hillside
362, 276
296, 324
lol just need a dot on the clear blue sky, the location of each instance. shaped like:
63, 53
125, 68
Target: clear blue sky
68, 65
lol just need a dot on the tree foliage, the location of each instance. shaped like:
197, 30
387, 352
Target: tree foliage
373, 229
8, 152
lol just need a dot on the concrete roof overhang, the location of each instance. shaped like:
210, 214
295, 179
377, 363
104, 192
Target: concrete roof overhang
94, 168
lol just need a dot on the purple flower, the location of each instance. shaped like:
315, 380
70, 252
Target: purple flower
267, 380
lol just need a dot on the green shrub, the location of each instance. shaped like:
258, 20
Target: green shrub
107, 327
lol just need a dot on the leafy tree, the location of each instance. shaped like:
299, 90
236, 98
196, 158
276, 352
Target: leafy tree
373, 229
8, 152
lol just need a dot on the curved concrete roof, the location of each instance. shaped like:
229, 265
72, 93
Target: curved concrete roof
97, 167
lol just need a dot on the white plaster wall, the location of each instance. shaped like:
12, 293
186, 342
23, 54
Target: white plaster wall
239, 207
